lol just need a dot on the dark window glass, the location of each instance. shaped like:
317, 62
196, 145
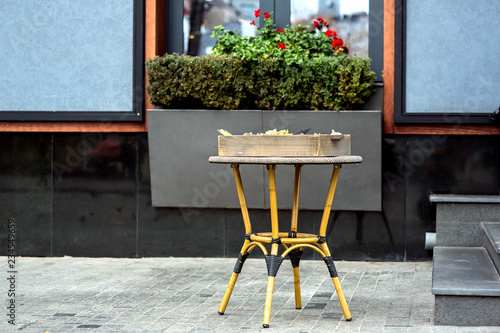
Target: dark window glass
201, 16
347, 17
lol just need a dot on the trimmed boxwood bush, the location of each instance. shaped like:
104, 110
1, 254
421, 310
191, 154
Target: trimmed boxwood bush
228, 83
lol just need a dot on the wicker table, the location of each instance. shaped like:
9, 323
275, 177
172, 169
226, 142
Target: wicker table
293, 242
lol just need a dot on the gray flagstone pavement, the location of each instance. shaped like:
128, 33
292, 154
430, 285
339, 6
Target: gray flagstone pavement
183, 295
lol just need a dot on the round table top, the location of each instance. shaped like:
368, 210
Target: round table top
344, 159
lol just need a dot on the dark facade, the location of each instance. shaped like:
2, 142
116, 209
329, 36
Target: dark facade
88, 194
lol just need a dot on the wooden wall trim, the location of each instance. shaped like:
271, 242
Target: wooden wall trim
111, 127
155, 39
436, 129
388, 74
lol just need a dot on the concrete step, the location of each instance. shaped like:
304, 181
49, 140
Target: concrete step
466, 286
492, 242
458, 218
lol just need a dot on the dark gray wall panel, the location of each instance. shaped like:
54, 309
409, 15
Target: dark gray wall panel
180, 142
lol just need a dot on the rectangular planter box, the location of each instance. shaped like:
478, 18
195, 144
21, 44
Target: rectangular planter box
181, 141
284, 145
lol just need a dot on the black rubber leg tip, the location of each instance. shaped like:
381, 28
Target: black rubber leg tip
350, 319
265, 325
298, 308
221, 313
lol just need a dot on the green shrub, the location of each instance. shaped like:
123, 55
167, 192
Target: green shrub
228, 83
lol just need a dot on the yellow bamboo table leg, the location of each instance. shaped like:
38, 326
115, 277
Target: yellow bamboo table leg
336, 282
248, 229
343, 302
295, 255
296, 287
236, 271
273, 261
324, 247
242, 199
295, 201
227, 294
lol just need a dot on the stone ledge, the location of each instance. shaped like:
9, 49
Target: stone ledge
459, 198
461, 271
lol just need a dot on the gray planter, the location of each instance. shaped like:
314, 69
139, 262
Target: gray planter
180, 142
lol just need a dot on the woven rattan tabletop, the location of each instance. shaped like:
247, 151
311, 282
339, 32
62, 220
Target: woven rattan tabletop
344, 159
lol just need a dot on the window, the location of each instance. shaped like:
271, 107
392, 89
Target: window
446, 67
79, 60
358, 22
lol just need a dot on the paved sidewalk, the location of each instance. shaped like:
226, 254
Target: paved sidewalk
183, 295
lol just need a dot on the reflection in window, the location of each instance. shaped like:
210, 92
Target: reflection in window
349, 18
201, 16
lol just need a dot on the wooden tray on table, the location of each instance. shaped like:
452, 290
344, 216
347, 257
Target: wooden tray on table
285, 145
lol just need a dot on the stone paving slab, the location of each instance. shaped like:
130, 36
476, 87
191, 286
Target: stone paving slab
183, 295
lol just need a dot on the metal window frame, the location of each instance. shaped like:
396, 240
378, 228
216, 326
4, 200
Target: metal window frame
137, 112
376, 37
400, 114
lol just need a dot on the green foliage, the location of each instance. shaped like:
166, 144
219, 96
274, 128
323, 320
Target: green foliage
298, 43
229, 82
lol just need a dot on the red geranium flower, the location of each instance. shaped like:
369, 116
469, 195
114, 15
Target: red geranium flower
282, 46
329, 33
257, 13
266, 15
252, 23
337, 42
320, 22
280, 30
